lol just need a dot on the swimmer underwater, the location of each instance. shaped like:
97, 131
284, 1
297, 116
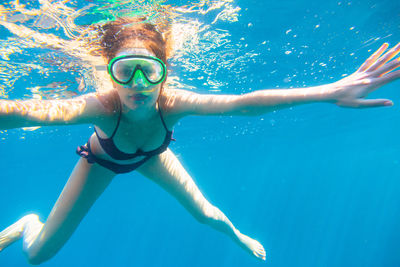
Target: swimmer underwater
133, 128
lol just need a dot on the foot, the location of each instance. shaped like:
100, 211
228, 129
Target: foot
15, 231
252, 246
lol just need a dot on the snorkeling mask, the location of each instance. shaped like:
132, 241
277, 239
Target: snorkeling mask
147, 70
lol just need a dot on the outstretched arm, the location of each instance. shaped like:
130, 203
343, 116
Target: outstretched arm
378, 70
27, 113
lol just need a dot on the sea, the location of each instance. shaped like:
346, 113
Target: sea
317, 184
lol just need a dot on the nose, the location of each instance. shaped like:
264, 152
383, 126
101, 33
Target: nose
139, 79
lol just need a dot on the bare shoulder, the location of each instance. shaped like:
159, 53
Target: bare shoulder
173, 102
108, 102
105, 106
180, 103
95, 108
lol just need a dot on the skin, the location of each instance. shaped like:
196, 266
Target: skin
141, 127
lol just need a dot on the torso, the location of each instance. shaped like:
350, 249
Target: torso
131, 135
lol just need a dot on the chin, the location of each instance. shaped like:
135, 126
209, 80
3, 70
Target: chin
139, 103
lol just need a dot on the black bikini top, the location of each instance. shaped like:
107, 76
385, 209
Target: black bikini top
111, 149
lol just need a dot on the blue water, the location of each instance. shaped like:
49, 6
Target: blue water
317, 185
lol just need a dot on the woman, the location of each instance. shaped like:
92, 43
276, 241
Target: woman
133, 125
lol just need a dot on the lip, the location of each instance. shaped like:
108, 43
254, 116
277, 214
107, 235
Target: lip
139, 97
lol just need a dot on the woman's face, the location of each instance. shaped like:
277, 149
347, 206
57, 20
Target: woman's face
138, 93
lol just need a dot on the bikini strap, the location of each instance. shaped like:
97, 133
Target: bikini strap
118, 121
162, 118
119, 118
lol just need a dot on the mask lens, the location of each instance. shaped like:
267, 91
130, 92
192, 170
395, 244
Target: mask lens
123, 70
152, 69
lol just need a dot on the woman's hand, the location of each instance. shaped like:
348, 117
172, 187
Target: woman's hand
376, 71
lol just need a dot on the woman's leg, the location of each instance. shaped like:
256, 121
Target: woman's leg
42, 241
167, 171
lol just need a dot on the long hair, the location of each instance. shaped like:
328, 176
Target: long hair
115, 34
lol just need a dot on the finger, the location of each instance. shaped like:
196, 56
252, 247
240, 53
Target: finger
373, 57
391, 66
385, 58
391, 76
367, 103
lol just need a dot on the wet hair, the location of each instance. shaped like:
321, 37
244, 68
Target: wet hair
119, 33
